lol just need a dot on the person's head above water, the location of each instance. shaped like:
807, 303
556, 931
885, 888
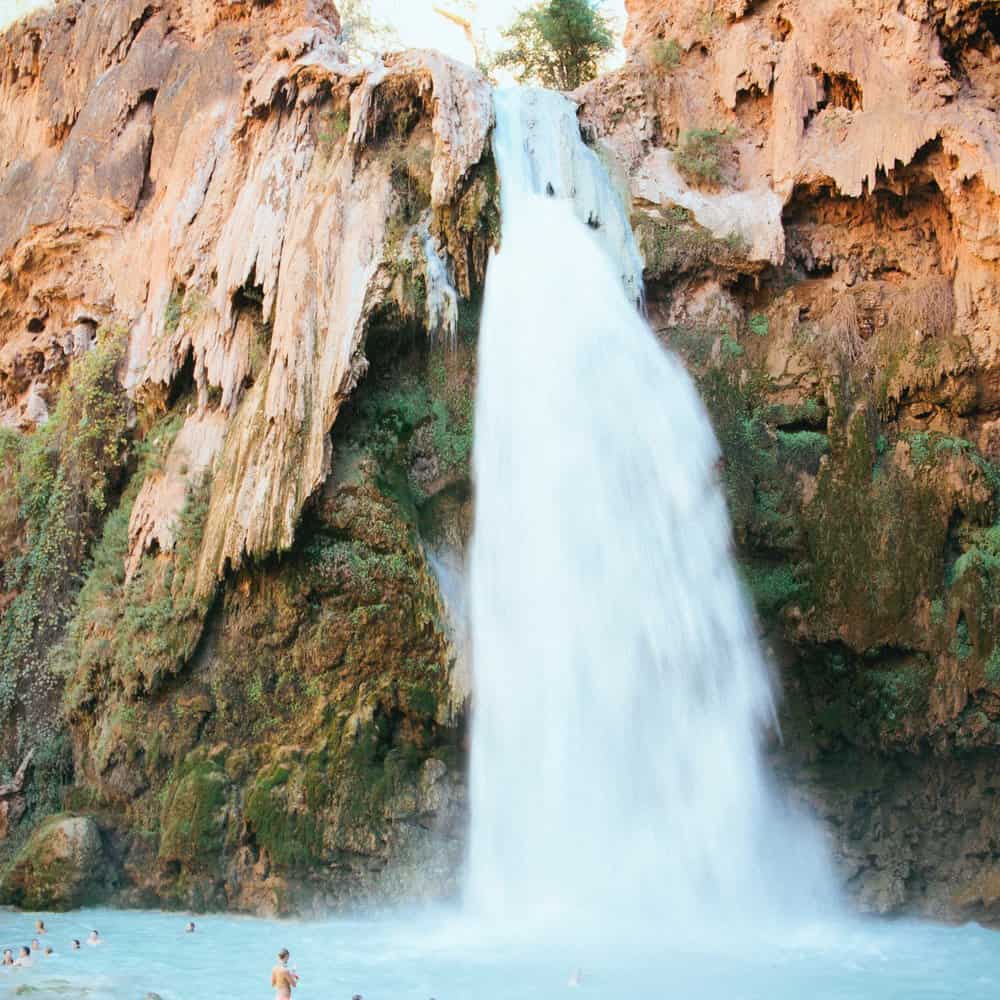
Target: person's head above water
48, 950
35, 944
25, 951
76, 944
40, 926
94, 938
283, 955
190, 927
8, 956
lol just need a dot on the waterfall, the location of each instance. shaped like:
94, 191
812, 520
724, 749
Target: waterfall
620, 693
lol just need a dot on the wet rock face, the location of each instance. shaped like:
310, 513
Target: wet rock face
276, 257
816, 195
62, 866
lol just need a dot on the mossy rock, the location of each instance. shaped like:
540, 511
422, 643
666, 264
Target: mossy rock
62, 866
192, 824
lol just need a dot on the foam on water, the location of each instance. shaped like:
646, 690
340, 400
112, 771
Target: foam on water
620, 692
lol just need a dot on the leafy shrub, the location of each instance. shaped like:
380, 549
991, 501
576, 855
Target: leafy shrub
666, 54
701, 155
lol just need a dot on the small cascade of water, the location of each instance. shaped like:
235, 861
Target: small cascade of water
620, 693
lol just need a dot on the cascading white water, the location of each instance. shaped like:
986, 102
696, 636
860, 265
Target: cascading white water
620, 692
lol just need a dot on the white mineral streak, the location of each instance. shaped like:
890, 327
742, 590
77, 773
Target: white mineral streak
192, 180
442, 299
163, 494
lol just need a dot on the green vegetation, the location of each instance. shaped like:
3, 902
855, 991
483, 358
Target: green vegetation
415, 413
758, 325
981, 557
193, 817
557, 43
898, 692
805, 448
65, 476
773, 587
282, 811
182, 304
141, 630
993, 668
700, 157
672, 242
333, 127
666, 54
961, 645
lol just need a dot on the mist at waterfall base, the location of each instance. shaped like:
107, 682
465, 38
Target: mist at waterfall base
622, 821
620, 693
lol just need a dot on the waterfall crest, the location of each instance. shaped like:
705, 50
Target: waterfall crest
620, 692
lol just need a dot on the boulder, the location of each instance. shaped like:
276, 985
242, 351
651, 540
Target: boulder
61, 866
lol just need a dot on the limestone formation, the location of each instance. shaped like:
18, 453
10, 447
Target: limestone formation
252, 675
843, 336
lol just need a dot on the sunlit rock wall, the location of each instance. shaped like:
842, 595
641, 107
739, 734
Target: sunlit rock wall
816, 191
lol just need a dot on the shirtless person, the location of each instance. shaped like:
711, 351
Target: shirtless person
282, 978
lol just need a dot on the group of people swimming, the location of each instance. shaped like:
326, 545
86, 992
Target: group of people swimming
27, 954
283, 979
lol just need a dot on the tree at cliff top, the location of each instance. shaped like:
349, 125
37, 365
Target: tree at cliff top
557, 43
361, 34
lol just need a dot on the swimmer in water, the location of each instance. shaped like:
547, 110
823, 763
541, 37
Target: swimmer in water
48, 950
24, 959
190, 927
76, 944
283, 980
36, 944
8, 957
40, 927
94, 938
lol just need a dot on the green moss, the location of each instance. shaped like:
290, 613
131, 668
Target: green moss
758, 325
773, 587
422, 700
811, 413
961, 645
877, 542
898, 692
173, 311
281, 810
993, 668
144, 629
671, 242
334, 125
192, 822
66, 476
804, 448
730, 348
